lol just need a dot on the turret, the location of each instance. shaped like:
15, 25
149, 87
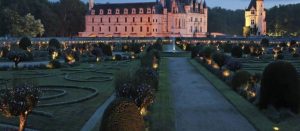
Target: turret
91, 4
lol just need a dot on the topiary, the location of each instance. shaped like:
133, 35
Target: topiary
122, 115
24, 43
237, 52
246, 49
208, 51
240, 78
118, 57
264, 42
147, 75
196, 51
233, 65
54, 43
219, 58
279, 86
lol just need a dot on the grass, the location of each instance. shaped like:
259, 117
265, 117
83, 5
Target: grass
71, 116
162, 112
249, 111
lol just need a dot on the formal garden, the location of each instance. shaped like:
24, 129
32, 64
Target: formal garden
149, 86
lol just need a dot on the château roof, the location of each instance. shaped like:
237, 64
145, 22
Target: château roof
252, 4
129, 6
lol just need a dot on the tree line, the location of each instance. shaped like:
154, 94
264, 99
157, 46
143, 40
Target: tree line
62, 18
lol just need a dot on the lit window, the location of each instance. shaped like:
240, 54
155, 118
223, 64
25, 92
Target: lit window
141, 10
109, 11
133, 11
148, 10
125, 11
117, 11
101, 12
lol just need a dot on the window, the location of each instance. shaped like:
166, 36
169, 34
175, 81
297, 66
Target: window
132, 29
125, 19
147, 29
92, 28
109, 19
133, 19
252, 22
191, 28
100, 29
156, 20
148, 10
133, 11
252, 12
141, 29
191, 19
148, 19
196, 19
116, 29
117, 20
109, 11
109, 28
141, 19
125, 28
101, 19
93, 20
101, 12
156, 30
117, 11
200, 29
125, 11
141, 10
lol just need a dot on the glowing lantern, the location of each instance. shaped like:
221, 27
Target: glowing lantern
276, 128
98, 59
70, 59
132, 57
143, 111
155, 66
50, 66
209, 61
114, 58
226, 73
184, 47
215, 66
54, 55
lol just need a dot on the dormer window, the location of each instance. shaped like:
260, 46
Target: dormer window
101, 12
148, 10
252, 12
133, 11
109, 11
117, 11
92, 12
153, 11
125, 11
141, 11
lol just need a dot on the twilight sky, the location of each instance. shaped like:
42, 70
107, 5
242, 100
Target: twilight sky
229, 4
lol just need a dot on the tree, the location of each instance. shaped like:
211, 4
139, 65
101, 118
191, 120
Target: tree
28, 26
17, 56
19, 100
24, 43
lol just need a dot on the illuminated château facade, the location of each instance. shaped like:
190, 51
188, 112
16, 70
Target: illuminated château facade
164, 18
255, 19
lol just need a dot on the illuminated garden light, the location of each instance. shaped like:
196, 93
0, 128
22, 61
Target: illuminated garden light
276, 128
70, 59
155, 66
1, 54
54, 55
98, 59
114, 58
226, 73
143, 111
215, 66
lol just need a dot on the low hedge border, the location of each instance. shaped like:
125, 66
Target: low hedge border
249, 111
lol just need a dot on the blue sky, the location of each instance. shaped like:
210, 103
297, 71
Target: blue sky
228, 4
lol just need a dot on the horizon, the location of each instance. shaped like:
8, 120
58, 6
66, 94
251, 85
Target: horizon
239, 4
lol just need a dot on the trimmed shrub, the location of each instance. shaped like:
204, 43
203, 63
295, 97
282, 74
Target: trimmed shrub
118, 57
208, 51
227, 47
237, 52
122, 115
24, 43
17, 56
279, 86
196, 51
280, 57
264, 42
239, 79
106, 49
247, 49
219, 59
148, 76
54, 43
233, 65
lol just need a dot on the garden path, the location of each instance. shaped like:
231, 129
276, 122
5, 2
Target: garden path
198, 105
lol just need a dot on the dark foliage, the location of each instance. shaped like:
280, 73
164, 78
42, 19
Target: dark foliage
54, 43
233, 65
118, 57
219, 58
24, 43
240, 78
279, 86
264, 42
237, 52
122, 115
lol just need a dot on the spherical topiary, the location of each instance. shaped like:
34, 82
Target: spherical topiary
54, 43
208, 51
233, 65
122, 115
279, 86
240, 78
219, 58
24, 43
237, 52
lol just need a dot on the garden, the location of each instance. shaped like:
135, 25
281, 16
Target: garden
261, 79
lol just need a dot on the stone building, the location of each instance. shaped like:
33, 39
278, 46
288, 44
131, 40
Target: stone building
255, 19
164, 18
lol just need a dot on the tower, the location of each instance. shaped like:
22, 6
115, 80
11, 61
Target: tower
255, 19
91, 4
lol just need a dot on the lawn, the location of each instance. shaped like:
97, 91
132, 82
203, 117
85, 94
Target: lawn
76, 110
162, 112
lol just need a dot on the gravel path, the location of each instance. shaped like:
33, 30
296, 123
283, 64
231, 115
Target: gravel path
198, 105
